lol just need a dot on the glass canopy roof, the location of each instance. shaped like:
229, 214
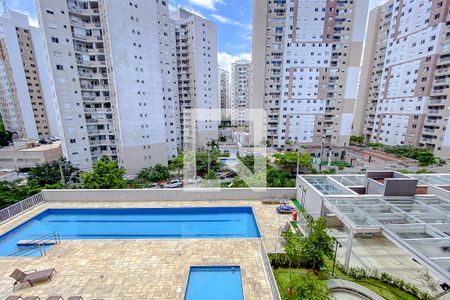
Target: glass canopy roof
350, 180
326, 186
421, 224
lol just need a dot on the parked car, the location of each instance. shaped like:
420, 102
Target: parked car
230, 174
154, 186
220, 175
174, 184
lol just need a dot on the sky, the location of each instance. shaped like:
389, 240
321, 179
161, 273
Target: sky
233, 19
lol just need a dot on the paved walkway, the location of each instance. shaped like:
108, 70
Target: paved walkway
349, 290
142, 269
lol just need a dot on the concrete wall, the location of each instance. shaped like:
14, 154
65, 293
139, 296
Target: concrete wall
313, 199
138, 195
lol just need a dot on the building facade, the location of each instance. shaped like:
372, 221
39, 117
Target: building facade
26, 104
114, 80
240, 92
405, 97
196, 52
306, 66
224, 95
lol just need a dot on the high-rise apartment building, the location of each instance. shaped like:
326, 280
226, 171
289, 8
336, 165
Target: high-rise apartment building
196, 51
306, 66
404, 96
240, 92
114, 79
224, 95
26, 104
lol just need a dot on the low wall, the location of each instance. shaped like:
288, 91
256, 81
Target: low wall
138, 195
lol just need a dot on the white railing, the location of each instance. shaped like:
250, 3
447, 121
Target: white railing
268, 273
20, 207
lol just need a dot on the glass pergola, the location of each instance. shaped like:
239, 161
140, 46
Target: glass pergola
326, 186
432, 179
350, 180
419, 224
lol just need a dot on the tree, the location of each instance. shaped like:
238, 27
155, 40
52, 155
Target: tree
213, 145
201, 158
5, 136
278, 178
317, 245
292, 249
289, 160
356, 139
424, 156
106, 174
12, 192
308, 286
154, 174
177, 164
49, 173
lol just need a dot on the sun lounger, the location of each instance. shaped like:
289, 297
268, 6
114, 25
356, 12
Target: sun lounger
285, 209
284, 228
32, 298
75, 298
32, 276
14, 298
55, 298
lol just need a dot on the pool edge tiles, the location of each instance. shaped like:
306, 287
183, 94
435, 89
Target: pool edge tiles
134, 224
214, 282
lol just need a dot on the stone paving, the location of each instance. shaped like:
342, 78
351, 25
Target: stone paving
142, 269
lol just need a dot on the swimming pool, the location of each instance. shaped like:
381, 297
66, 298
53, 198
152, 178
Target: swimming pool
218, 283
134, 223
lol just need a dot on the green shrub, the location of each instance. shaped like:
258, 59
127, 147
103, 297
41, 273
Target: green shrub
308, 286
361, 274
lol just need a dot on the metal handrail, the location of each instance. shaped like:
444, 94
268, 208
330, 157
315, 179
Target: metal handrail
20, 207
39, 244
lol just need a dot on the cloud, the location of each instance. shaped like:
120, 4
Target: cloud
207, 4
225, 59
228, 21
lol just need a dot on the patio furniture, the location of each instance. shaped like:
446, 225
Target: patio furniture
31, 276
14, 298
284, 228
32, 298
75, 298
55, 298
285, 209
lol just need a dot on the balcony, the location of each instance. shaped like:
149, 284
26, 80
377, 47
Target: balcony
90, 50
94, 87
102, 142
100, 132
97, 110
92, 75
99, 121
87, 38
96, 63
96, 98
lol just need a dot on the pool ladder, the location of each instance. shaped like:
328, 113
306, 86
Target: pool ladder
39, 244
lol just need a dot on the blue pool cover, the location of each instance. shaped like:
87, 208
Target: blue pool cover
218, 283
134, 223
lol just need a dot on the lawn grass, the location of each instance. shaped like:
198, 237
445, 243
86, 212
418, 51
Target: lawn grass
382, 289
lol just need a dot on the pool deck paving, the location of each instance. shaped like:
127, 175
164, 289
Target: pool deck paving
142, 269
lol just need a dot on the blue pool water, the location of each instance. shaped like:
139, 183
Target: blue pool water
134, 223
218, 283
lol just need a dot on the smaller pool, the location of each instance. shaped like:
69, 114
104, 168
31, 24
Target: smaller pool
218, 283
